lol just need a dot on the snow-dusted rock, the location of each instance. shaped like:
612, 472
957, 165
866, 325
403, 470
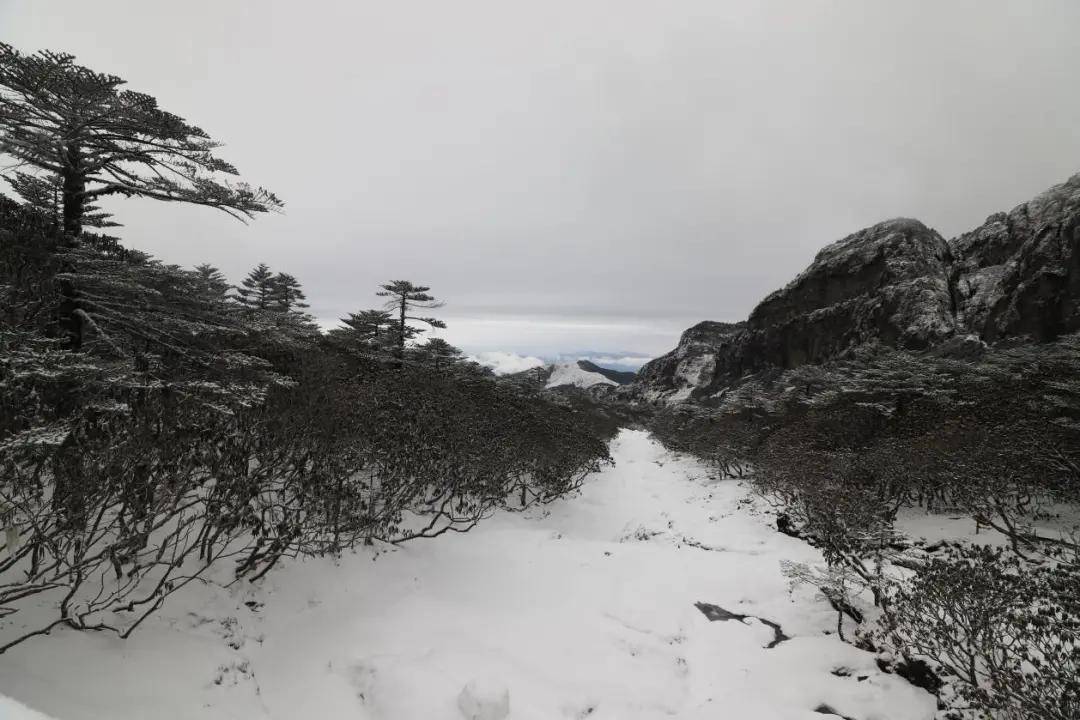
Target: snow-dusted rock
484, 699
888, 283
1018, 274
693, 364
897, 284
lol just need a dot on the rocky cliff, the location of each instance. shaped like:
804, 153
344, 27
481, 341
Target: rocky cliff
901, 285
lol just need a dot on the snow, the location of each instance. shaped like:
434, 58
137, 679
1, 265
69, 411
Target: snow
484, 699
931, 528
12, 710
957, 527
582, 609
697, 370
681, 395
572, 374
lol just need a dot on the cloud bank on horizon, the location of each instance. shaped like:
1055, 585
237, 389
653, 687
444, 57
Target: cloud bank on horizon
624, 344
504, 362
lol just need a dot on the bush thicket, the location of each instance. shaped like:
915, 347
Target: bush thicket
841, 448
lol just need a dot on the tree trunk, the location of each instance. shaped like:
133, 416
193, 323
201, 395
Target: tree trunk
74, 195
74, 200
401, 334
71, 325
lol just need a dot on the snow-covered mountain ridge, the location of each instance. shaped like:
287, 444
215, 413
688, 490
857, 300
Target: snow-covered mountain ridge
577, 373
899, 284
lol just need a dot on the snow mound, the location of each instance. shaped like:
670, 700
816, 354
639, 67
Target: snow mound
11, 710
572, 374
484, 699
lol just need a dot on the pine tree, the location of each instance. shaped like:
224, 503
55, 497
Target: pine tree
366, 332
212, 281
44, 193
440, 354
406, 298
286, 295
256, 291
369, 324
101, 140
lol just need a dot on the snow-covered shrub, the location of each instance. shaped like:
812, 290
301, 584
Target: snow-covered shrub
112, 430
727, 439
839, 585
1005, 632
839, 448
369, 447
168, 427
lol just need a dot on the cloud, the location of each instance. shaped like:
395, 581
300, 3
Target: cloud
550, 337
504, 363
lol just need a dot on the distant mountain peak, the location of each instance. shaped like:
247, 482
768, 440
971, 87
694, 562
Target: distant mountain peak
578, 373
619, 377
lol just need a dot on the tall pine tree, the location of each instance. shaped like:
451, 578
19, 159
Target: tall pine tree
256, 291
211, 280
101, 140
405, 299
286, 294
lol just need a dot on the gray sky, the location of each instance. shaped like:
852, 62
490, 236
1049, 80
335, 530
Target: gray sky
573, 174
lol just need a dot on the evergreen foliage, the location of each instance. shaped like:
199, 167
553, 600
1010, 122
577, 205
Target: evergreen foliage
44, 193
286, 294
256, 291
99, 139
190, 428
211, 279
404, 299
155, 425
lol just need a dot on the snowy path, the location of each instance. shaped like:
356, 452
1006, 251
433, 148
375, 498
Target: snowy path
584, 609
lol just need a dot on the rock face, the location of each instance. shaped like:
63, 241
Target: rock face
694, 363
889, 282
1019, 273
898, 284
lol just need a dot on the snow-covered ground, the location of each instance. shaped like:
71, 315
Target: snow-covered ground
583, 609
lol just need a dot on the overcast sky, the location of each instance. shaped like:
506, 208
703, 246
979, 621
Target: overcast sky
572, 174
